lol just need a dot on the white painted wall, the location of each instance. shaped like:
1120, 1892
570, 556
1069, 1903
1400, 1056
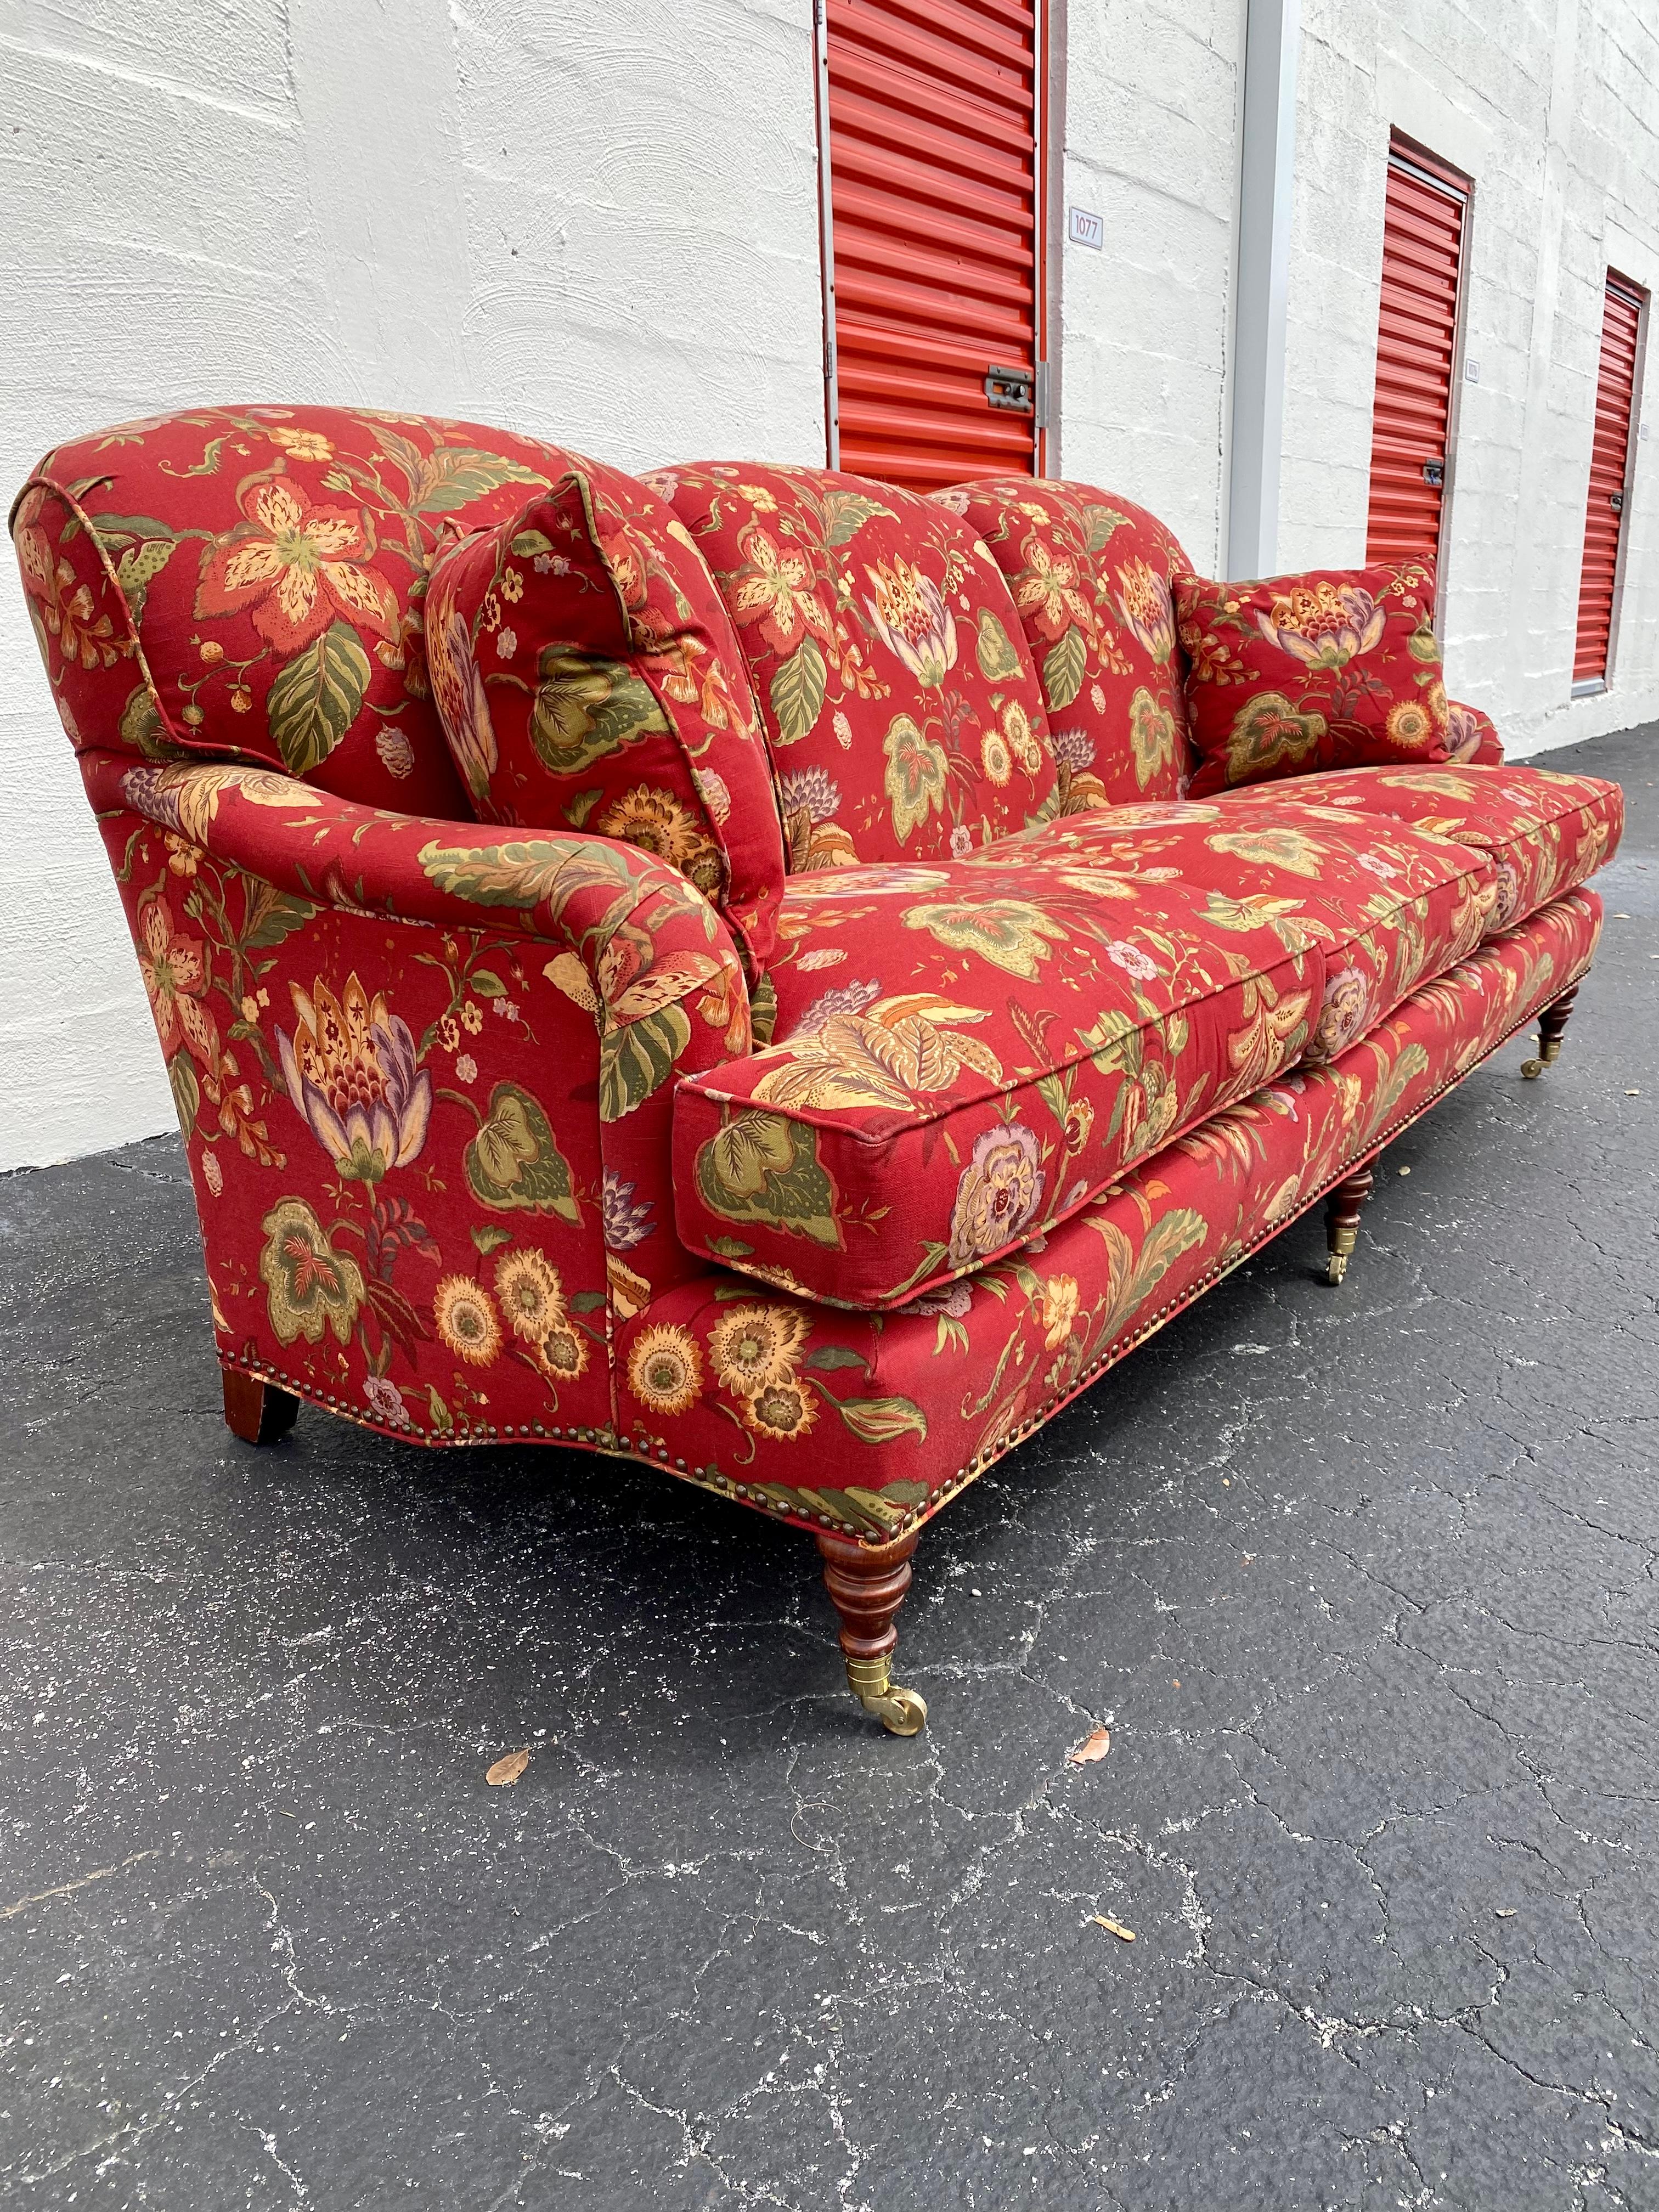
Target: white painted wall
598, 219
1551, 107
570, 216
1150, 102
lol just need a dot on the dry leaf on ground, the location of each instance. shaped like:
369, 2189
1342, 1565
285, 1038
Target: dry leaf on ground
1094, 1746
1117, 1927
508, 1769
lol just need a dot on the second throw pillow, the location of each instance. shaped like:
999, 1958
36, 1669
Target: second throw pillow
1337, 668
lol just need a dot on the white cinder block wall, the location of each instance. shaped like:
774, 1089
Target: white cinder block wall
1148, 108
557, 217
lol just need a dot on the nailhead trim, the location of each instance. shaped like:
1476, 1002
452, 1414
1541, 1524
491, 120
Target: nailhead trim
711, 1478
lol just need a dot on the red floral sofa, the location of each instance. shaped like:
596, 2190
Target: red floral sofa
795, 1031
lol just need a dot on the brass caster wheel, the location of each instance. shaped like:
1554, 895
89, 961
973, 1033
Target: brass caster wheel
901, 1712
1549, 1051
1532, 1069
1336, 1266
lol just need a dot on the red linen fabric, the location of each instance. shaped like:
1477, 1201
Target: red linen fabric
1091, 578
1545, 832
405, 1054
728, 1382
903, 712
1472, 735
964, 1054
248, 583
588, 676
1334, 669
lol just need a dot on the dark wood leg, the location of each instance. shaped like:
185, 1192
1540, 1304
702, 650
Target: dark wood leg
867, 1584
1342, 1211
1551, 1023
259, 1412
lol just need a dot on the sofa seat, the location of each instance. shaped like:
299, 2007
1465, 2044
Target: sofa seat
966, 1053
903, 1407
1545, 832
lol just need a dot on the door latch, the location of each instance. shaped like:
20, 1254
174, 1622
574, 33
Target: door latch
1011, 389
1616, 502
1434, 472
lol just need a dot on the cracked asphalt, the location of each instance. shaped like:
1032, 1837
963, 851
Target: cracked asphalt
1362, 1581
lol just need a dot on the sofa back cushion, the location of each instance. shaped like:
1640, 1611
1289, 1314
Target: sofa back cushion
248, 583
588, 675
900, 701
1091, 578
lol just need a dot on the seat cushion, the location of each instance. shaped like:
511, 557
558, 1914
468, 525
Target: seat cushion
900, 704
1337, 668
965, 1053
1544, 831
1090, 574
869, 1421
588, 676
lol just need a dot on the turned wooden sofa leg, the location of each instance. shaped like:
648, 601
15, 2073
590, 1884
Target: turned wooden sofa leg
1551, 1023
1342, 1212
867, 1584
259, 1412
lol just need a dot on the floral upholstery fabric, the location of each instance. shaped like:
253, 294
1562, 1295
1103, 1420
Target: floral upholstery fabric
1090, 577
904, 712
1334, 669
727, 1381
491, 1134
424, 1079
1543, 831
963, 1055
588, 676
249, 583
1472, 735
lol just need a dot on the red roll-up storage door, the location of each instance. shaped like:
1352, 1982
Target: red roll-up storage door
1604, 516
1416, 347
931, 112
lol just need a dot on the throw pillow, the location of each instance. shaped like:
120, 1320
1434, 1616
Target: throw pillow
1337, 668
587, 676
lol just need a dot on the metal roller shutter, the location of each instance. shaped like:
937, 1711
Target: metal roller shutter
1416, 348
930, 126
1604, 515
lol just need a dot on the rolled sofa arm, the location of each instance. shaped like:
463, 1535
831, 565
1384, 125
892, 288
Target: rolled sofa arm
425, 1074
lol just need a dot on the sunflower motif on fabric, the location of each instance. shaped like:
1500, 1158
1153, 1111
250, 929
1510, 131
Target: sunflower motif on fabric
665, 1369
655, 821
754, 1349
467, 1320
530, 1294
